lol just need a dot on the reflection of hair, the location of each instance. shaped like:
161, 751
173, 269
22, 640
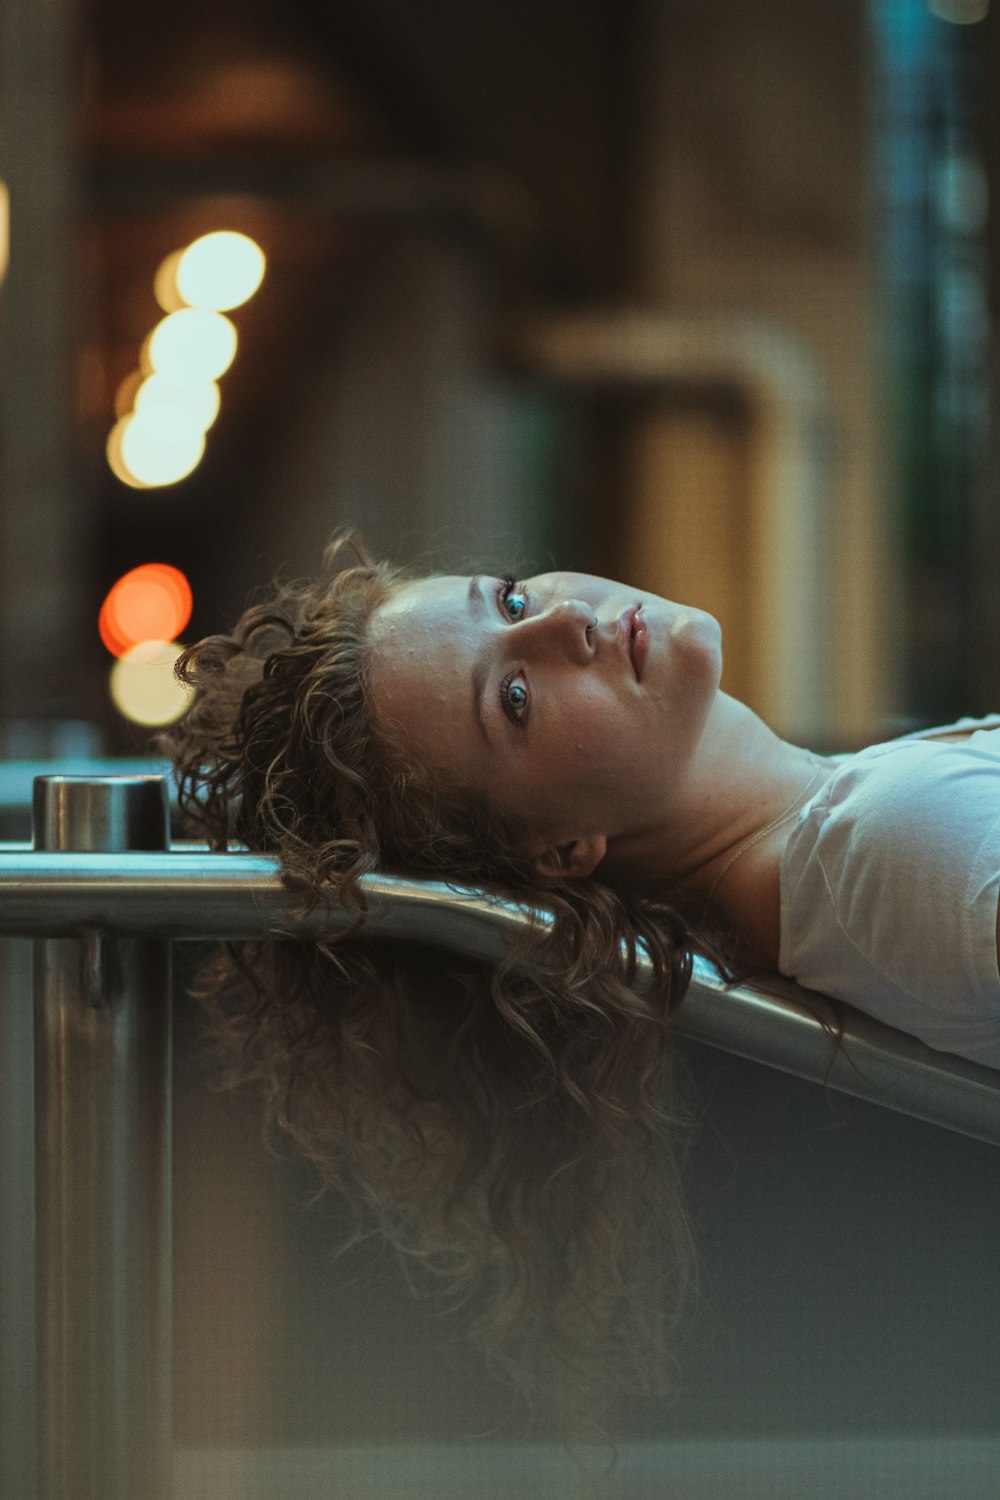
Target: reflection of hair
511, 1129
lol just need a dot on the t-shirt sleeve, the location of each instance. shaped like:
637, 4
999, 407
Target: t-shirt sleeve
889, 892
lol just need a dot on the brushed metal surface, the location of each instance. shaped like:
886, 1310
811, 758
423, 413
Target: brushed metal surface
102, 1169
194, 894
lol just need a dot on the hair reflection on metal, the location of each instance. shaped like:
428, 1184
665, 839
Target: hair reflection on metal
190, 893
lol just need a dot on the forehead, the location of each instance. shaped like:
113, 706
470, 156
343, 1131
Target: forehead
418, 615
424, 625
440, 592
422, 642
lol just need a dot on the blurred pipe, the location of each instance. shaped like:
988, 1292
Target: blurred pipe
17, 1225
102, 1169
780, 383
198, 895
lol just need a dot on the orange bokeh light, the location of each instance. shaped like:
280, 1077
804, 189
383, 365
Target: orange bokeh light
151, 603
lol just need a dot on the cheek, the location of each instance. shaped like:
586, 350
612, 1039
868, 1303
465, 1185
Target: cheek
590, 740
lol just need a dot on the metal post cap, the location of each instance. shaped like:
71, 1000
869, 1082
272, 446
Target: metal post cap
95, 814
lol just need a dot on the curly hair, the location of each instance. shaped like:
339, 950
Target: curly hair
515, 1130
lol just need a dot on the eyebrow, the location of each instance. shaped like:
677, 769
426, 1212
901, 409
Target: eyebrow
477, 604
477, 608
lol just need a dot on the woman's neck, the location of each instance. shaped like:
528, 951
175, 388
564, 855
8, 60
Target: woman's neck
726, 828
746, 888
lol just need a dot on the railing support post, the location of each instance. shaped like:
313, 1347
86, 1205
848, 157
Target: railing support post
102, 1120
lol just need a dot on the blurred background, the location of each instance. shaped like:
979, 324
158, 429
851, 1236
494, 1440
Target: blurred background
694, 295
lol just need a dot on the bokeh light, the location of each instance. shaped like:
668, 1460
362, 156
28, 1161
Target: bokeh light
113, 449
192, 346
200, 403
150, 603
165, 283
159, 447
126, 393
167, 426
143, 685
218, 271
165, 407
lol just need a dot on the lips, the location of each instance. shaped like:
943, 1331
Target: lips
633, 635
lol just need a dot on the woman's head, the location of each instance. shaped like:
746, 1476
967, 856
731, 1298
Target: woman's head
471, 728
281, 748
497, 1124
570, 703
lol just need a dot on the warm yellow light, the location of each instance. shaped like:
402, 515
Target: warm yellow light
159, 447
4, 229
192, 346
219, 270
199, 402
165, 283
116, 461
125, 394
143, 685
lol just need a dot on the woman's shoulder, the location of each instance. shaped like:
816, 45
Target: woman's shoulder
906, 797
904, 824
890, 881
918, 802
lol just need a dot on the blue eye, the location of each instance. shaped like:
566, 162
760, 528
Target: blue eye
514, 696
514, 599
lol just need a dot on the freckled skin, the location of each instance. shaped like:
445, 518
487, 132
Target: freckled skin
598, 752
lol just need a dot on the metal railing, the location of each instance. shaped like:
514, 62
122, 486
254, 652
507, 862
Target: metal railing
102, 895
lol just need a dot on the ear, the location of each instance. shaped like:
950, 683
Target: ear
575, 860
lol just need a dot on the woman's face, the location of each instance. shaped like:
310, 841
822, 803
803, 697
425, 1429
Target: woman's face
573, 702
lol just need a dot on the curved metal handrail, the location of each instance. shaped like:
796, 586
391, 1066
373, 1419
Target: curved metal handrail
189, 893
102, 918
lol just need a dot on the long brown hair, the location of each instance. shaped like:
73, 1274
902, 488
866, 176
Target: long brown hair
514, 1130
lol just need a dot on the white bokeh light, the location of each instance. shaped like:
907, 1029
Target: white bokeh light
192, 346
200, 402
116, 462
143, 685
219, 271
160, 446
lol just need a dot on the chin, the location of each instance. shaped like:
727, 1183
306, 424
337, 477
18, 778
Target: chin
697, 632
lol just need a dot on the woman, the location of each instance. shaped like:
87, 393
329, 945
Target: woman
515, 1131
595, 716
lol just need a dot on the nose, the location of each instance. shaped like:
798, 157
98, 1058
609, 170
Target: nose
566, 629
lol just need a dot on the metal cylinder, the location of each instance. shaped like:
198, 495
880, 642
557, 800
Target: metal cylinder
102, 1150
99, 814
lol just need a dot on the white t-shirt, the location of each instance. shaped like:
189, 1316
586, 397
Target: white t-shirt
889, 888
